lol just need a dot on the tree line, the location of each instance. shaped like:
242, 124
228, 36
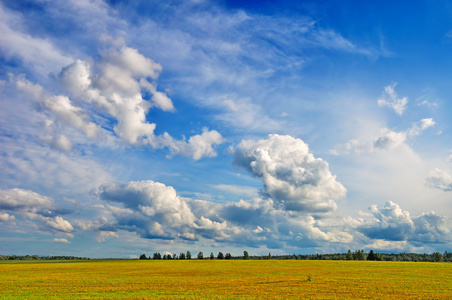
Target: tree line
356, 255
36, 257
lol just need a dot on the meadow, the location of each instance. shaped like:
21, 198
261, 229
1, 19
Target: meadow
224, 279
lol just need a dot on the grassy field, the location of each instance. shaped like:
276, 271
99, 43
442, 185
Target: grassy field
225, 279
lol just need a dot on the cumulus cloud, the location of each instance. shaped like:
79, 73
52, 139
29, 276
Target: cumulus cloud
63, 110
155, 211
115, 84
34, 207
19, 199
391, 223
5, 217
390, 139
292, 176
439, 179
390, 99
119, 85
386, 140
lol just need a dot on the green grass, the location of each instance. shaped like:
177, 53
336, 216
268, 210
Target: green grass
274, 279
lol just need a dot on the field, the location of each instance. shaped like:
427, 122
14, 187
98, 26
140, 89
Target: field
224, 279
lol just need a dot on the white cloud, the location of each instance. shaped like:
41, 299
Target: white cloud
292, 176
155, 211
391, 223
390, 99
197, 146
34, 207
60, 142
5, 217
59, 224
61, 240
17, 199
114, 85
424, 124
386, 140
102, 236
439, 179
390, 139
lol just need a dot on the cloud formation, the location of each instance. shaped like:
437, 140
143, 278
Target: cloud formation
34, 207
391, 223
155, 211
439, 179
386, 140
292, 176
113, 86
390, 99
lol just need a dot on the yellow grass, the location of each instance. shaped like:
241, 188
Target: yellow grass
223, 279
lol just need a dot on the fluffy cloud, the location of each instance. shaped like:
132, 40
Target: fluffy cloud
18, 199
390, 139
120, 85
439, 179
33, 207
386, 140
391, 223
292, 176
155, 211
5, 217
390, 99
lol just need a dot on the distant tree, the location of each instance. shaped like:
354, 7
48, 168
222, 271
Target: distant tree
143, 256
246, 255
188, 255
200, 255
349, 255
269, 255
220, 255
157, 255
371, 255
182, 256
437, 257
359, 255
174, 256
168, 256
211, 255
228, 256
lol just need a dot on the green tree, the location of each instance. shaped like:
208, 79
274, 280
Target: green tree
200, 255
359, 255
228, 256
371, 255
211, 255
143, 256
437, 257
349, 255
188, 255
246, 255
220, 255
182, 256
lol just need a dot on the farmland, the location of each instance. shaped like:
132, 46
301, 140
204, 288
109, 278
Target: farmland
221, 279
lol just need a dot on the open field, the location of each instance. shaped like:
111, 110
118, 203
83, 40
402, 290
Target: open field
224, 279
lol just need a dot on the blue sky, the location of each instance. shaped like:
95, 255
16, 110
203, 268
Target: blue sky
131, 127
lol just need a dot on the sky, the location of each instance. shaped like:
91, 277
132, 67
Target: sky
130, 127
